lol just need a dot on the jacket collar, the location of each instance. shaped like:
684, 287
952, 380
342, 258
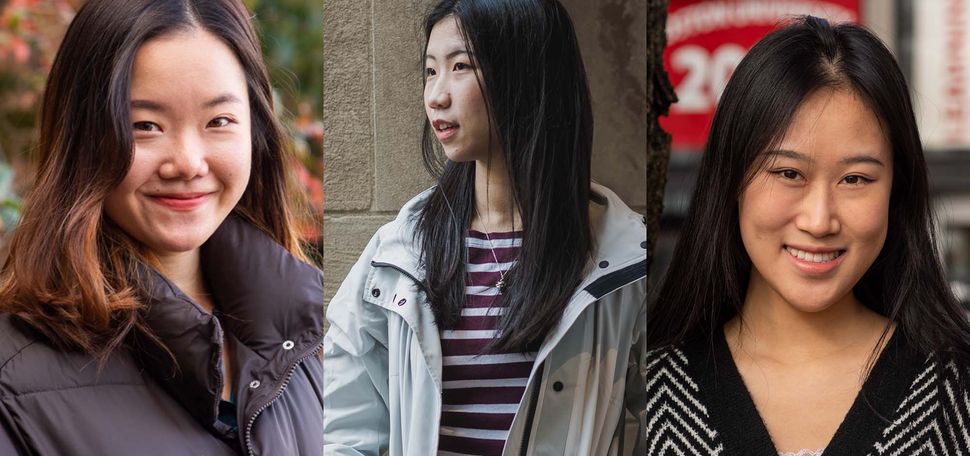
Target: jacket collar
619, 258
265, 297
620, 242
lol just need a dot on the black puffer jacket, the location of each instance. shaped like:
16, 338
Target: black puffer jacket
57, 403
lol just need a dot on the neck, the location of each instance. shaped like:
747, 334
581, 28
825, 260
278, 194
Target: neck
771, 327
184, 269
495, 210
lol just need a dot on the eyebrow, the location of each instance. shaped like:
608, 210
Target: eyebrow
854, 159
450, 55
147, 104
225, 98
159, 107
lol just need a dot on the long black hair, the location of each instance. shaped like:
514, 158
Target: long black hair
534, 86
706, 282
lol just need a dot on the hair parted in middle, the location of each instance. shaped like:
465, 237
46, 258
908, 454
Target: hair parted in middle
706, 282
71, 271
535, 90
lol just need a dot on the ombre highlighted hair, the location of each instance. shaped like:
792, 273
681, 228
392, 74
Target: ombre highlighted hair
71, 272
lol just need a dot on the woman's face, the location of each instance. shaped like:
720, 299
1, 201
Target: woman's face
814, 220
453, 99
192, 154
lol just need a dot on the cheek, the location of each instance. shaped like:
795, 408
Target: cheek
232, 163
762, 213
141, 171
427, 109
470, 97
868, 219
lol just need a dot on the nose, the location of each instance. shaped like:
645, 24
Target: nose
436, 93
818, 214
187, 159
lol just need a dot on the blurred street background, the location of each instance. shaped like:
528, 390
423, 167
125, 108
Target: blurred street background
930, 38
292, 36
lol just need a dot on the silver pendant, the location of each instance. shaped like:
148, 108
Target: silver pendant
500, 285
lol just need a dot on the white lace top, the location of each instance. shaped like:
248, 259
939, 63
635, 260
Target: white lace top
802, 452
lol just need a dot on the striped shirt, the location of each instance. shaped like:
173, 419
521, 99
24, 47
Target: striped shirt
481, 392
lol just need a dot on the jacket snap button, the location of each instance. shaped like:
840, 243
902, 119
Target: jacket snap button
557, 386
643, 245
254, 384
375, 293
604, 264
287, 345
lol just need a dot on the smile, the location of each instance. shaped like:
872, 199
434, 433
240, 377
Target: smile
814, 257
181, 201
814, 263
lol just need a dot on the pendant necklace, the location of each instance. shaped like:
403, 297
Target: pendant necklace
500, 285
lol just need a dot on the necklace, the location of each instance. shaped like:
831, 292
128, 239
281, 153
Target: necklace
500, 285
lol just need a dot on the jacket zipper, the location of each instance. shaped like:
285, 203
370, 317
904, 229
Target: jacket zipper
530, 417
279, 393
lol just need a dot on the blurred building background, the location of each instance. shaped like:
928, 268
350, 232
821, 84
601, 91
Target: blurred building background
292, 35
931, 40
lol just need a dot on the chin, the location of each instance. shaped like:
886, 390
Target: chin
461, 152
181, 242
180, 245
812, 302
458, 156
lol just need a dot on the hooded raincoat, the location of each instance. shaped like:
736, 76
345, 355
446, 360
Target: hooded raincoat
586, 394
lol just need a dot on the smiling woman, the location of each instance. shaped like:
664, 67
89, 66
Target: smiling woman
158, 242
805, 310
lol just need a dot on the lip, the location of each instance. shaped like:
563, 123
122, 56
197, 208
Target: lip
444, 135
810, 267
182, 202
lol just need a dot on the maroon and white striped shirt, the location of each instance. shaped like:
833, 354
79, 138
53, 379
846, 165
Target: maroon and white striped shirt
481, 392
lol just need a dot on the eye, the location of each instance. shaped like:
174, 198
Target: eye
788, 174
855, 179
429, 72
146, 126
219, 122
462, 66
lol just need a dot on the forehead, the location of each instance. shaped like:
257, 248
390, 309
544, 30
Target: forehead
835, 123
186, 64
445, 36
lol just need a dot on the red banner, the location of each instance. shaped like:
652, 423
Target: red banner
706, 40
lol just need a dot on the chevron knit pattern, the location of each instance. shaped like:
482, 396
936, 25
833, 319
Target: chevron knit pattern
934, 419
678, 422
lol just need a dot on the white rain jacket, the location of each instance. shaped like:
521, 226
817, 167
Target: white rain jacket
587, 391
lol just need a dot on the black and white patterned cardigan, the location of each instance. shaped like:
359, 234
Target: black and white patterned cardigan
910, 404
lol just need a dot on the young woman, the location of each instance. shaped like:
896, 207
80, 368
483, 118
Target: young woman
806, 311
503, 311
156, 300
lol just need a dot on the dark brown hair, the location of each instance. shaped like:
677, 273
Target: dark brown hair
71, 271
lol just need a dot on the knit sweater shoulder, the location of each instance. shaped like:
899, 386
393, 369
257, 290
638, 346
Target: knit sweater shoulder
910, 404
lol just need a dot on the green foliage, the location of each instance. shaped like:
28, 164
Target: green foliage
292, 34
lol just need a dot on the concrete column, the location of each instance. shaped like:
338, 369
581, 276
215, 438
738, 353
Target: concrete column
373, 112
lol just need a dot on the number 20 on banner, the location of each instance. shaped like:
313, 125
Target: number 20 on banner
704, 75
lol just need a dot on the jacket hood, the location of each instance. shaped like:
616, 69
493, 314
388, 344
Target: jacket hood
269, 303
